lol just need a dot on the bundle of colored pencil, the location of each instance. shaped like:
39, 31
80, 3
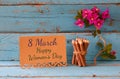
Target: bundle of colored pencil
80, 46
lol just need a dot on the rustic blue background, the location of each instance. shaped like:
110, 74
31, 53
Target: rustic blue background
55, 17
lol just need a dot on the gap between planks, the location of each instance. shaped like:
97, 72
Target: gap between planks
40, 4
68, 65
80, 32
93, 76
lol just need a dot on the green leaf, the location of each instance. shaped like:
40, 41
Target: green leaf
104, 55
79, 15
94, 34
99, 44
108, 48
98, 31
86, 23
112, 57
79, 12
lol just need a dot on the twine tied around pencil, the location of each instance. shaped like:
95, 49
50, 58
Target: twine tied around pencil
80, 46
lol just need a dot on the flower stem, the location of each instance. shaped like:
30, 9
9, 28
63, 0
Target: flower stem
97, 56
104, 43
102, 39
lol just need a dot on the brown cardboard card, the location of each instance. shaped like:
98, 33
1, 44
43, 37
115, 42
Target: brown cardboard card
43, 51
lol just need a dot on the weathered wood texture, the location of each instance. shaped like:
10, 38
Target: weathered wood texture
9, 44
51, 18
36, 17
72, 72
26, 2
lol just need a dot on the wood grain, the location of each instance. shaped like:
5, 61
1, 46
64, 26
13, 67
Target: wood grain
9, 44
36, 17
90, 72
8, 2
51, 18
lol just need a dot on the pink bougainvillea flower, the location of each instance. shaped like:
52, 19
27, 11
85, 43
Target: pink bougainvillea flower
86, 12
79, 23
92, 17
113, 53
106, 14
98, 23
95, 9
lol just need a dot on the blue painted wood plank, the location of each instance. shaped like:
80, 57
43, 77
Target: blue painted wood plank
89, 64
50, 18
44, 77
57, 1
65, 72
38, 25
9, 44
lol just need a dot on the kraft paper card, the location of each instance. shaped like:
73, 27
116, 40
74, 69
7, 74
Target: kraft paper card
43, 51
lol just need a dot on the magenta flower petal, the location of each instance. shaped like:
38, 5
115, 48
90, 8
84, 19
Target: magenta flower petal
113, 52
98, 23
106, 14
79, 23
91, 18
95, 9
86, 12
